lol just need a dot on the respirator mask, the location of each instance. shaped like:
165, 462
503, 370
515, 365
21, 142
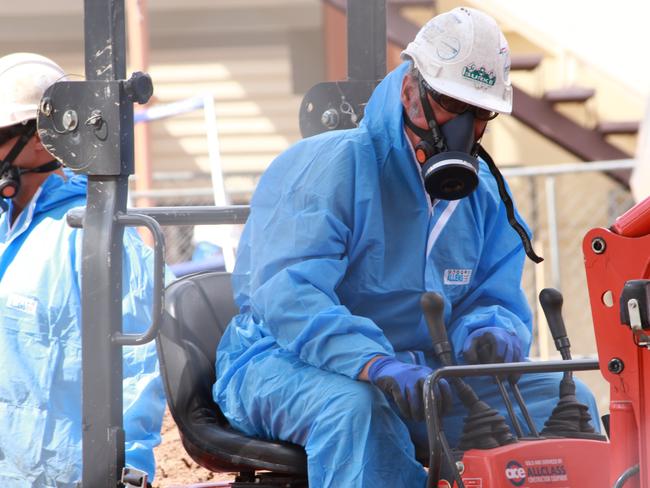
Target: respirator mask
9, 174
448, 153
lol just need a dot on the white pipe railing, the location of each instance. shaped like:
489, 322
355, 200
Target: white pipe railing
221, 234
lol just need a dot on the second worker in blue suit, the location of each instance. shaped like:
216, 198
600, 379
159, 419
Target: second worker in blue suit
347, 230
41, 418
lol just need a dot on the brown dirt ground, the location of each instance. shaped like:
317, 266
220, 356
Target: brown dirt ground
174, 466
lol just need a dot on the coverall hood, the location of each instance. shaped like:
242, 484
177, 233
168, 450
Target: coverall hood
56, 191
383, 114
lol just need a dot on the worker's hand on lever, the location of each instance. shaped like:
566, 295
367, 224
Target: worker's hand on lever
492, 345
404, 383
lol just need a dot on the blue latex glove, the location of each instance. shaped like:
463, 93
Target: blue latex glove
492, 345
404, 383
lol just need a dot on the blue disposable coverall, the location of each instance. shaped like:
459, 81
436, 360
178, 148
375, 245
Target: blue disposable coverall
340, 244
40, 344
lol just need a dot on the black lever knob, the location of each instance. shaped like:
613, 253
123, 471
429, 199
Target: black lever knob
551, 301
139, 87
433, 307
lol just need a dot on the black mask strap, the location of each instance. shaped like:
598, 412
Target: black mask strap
510, 207
436, 134
20, 144
9, 174
43, 168
419, 131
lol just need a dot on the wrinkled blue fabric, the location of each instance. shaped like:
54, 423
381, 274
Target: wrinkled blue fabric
40, 344
492, 345
341, 242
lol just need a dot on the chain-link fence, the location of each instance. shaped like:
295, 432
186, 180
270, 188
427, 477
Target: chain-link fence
561, 204
180, 242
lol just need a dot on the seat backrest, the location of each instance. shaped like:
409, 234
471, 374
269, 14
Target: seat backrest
198, 309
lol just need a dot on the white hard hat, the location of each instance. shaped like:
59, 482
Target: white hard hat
463, 54
24, 77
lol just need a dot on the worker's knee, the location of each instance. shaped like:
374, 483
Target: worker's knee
358, 440
358, 401
358, 407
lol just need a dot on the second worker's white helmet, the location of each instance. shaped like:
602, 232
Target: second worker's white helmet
24, 77
463, 54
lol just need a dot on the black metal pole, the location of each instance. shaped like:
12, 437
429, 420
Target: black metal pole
366, 39
103, 434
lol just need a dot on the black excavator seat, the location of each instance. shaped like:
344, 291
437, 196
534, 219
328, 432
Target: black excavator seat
198, 308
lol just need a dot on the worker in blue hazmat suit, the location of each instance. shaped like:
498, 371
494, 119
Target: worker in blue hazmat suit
347, 230
40, 304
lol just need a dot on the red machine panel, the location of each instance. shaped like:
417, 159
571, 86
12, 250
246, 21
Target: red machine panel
610, 261
550, 463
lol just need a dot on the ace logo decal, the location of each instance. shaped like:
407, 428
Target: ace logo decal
515, 473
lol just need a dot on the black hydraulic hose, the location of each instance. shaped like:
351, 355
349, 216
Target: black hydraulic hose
508, 403
627, 474
524, 409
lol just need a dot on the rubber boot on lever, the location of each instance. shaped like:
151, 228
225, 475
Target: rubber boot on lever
569, 418
484, 427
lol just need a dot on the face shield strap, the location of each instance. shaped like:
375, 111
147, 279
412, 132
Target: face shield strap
510, 208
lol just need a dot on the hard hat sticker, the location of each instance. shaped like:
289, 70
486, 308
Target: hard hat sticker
447, 48
505, 52
480, 75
